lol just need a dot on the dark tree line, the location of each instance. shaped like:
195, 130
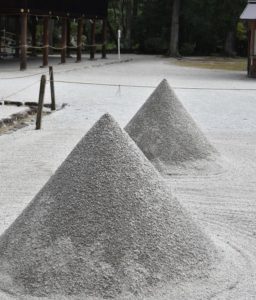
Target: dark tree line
177, 27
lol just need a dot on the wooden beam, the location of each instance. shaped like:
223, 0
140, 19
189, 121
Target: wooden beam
80, 28
64, 41
23, 41
104, 39
93, 47
45, 40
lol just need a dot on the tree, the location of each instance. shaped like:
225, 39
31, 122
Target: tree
175, 28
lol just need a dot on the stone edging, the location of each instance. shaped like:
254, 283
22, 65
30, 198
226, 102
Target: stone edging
9, 121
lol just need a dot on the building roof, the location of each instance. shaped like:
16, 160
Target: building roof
88, 8
250, 11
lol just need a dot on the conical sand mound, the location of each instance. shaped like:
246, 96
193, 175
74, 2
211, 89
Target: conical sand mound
167, 134
104, 224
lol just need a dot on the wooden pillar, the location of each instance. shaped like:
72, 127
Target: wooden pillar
93, 47
23, 41
51, 29
45, 41
68, 37
252, 50
104, 38
33, 35
64, 40
80, 28
248, 50
17, 37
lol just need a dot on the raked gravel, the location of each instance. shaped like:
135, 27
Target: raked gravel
105, 225
168, 135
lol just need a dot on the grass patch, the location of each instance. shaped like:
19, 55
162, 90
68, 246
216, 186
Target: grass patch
216, 63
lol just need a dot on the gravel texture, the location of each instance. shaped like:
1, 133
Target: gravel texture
168, 135
104, 225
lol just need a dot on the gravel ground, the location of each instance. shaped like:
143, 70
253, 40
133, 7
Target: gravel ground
223, 103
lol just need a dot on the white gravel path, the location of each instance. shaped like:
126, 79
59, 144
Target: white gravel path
223, 205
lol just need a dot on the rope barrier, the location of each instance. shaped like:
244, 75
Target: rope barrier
53, 47
21, 90
24, 76
153, 87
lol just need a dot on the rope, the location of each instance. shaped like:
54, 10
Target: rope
103, 84
153, 87
21, 90
8, 32
24, 76
52, 47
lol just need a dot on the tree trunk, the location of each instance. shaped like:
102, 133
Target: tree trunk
112, 32
129, 24
175, 26
135, 8
230, 44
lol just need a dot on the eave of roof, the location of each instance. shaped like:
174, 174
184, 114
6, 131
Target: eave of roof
72, 8
250, 11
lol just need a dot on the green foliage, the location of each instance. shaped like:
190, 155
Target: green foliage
208, 22
187, 49
204, 24
241, 32
154, 45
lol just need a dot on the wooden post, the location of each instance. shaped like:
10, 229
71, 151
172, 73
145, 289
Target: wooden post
33, 35
252, 50
80, 27
23, 38
64, 41
249, 51
93, 47
68, 52
53, 104
17, 37
40, 103
104, 39
45, 41
51, 30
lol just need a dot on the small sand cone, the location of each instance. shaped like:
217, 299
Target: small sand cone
169, 137
105, 224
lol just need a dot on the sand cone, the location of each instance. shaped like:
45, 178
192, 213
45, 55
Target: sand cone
168, 136
103, 225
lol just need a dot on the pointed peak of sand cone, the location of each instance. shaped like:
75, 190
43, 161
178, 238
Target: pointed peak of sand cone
167, 134
107, 119
164, 83
163, 92
104, 224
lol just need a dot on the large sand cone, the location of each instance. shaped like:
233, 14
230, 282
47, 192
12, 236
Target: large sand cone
168, 135
104, 224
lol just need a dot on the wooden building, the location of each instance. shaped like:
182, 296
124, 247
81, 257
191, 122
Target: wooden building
23, 11
249, 14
